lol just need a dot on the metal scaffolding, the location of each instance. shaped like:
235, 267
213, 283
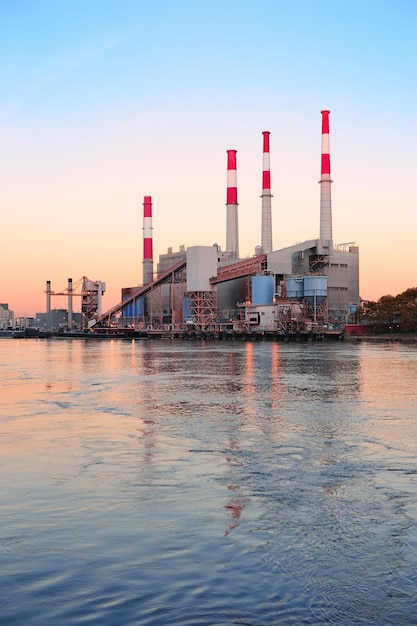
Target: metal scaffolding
202, 308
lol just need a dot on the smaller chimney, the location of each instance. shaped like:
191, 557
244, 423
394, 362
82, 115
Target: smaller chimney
70, 303
48, 296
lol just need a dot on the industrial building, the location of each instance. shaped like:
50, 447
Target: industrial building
306, 287
91, 294
6, 316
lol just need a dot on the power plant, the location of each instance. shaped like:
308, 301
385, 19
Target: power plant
308, 288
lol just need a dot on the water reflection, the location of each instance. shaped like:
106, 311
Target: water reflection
208, 483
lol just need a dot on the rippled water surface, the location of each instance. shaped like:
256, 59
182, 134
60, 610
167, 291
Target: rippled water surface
159, 483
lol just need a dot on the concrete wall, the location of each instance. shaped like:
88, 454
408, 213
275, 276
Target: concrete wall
261, 316
230, 293
201, 266
284, 261
342, 280
169, 259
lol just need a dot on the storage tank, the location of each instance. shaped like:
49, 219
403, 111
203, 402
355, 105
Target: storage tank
295, 287
135, 309
263, 288
138, 308
315, 289
127, 311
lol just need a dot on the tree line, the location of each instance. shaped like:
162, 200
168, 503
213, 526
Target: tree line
391, 314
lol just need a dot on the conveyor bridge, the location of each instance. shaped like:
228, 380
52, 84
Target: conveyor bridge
165, 277
247, 267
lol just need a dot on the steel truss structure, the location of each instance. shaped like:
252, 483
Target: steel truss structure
175, 274
247, 267
202, 307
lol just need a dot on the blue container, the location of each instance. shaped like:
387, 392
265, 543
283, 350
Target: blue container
263, 289
315, 289
133, 310
127, 311
295, 287
137, 308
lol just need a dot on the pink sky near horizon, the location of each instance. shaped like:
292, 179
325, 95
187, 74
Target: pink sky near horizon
134, 101
83, 216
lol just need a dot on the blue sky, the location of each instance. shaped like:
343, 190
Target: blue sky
103, 102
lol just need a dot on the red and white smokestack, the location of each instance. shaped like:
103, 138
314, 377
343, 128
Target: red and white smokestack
266, 235
325, 181
147, 240
232, 235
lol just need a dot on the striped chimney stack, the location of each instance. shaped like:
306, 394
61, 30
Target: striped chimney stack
232, 236
325, 181
147, 241
266, 235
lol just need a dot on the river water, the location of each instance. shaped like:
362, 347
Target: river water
159, 482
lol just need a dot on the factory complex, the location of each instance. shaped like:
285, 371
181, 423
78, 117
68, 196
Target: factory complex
308, 289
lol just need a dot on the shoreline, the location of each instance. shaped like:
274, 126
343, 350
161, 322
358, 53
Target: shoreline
386, 338
226, 335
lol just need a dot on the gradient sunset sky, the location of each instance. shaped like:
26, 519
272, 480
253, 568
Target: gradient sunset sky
105, 101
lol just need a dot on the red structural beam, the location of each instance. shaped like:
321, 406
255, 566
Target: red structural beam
247, 267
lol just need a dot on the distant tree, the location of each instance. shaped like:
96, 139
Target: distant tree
407, 310
391, 313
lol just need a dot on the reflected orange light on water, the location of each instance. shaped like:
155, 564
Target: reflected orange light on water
388, 383
275, 385
250, 390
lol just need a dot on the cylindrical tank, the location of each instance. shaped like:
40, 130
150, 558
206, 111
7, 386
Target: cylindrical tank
294, 287
315, 289
133, 310
263, 288
127, 311
138, 308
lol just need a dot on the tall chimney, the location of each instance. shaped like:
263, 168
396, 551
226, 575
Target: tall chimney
232, 235
48, 296
325, 181
266, 237
147, 240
